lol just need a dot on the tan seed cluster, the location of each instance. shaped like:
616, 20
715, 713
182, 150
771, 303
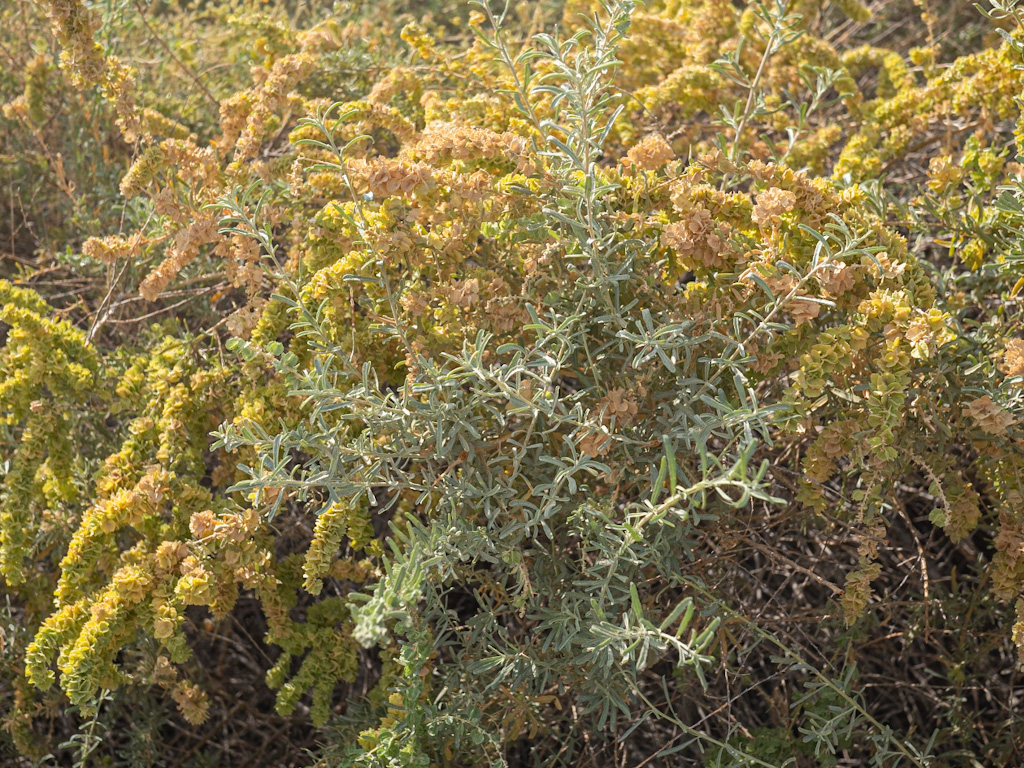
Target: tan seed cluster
1013, 358
771, 204
650, 153
989, 415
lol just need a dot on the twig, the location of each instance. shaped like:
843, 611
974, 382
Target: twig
174, 57
774, 554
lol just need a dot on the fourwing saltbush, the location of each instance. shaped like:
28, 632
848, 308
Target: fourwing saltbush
657, 378
545, 485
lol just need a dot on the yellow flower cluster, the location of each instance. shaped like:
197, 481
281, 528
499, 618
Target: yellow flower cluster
47, 369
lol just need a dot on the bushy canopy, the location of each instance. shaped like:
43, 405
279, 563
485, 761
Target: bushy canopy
614, 384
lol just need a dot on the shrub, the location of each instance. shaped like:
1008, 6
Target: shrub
566, 383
